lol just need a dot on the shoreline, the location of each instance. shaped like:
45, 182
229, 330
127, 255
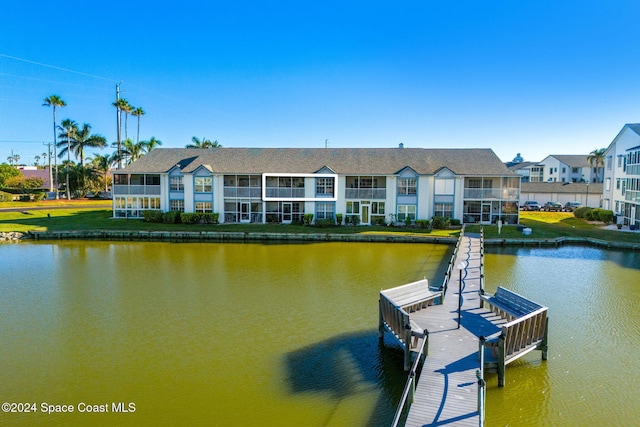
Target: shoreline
230, 236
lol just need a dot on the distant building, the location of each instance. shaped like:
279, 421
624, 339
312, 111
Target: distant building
563, 192
34, 172
569, 168
621, 192
529, 171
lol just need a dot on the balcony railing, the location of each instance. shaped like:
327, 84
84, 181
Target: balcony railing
243, 192
284, 193
136, 189
491, 193
366, 193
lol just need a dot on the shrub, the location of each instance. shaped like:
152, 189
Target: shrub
455, 222
581, 212
324, 223
407, 221
189, 218
152, 216
5, 197
209, 218
606, 216
423, 224
307, 219
593, 215
379, 220
339, 219
440, 222
352, 220
171, 217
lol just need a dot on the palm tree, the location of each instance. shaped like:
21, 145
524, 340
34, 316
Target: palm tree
138, 112
204, 143
102, 164
54, 101
36, 160
68, 129
84, 139
151, 144
120, 104
126, 108
133, 150
596, 159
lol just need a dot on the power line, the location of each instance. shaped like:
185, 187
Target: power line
55, 67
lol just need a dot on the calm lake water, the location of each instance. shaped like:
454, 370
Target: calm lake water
286, 334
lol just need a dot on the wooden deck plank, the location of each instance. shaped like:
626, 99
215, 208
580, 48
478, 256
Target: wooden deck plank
447, 392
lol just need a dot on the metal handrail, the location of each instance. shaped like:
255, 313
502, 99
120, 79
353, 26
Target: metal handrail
410, 386
447, 274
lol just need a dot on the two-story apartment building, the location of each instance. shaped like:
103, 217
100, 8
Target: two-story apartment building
374, 185
569, 168
621, 192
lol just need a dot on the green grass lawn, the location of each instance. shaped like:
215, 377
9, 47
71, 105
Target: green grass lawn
65, 216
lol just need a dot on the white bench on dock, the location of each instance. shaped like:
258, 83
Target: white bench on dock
396, 305
526, 329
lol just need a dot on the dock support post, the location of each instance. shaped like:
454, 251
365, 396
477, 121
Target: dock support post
412, 390
544, 345
501, 360
380, 321
407, 346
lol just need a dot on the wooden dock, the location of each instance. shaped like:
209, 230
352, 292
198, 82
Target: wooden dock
447, 393
451, 387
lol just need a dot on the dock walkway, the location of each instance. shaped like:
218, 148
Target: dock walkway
447, 392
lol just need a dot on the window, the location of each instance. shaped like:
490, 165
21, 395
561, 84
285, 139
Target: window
204, 207
609, 162
203, 184
324, 210
377, 208
574, 170
617, 183
324, 186
444, 210
353, 207
445, 186
120, 179
176, 183
406, 186
152, 179
406, 211
177, 205
607, 184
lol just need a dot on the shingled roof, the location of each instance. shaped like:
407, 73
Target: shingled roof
561, 187
573, 160
343, 161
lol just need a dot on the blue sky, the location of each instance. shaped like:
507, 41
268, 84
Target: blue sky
534, 77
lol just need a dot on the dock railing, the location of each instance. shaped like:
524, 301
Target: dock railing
410, 387
450, 267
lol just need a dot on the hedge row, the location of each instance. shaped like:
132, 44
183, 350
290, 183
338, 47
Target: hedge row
175, 217
594, 214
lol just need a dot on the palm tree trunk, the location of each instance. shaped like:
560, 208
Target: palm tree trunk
55, 156
68, 162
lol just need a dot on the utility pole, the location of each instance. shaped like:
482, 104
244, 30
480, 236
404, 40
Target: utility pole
48, 144
118, 122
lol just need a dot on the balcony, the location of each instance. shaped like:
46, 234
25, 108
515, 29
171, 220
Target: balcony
284, 193
491, 193
136, 189
366, 193
243, 192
